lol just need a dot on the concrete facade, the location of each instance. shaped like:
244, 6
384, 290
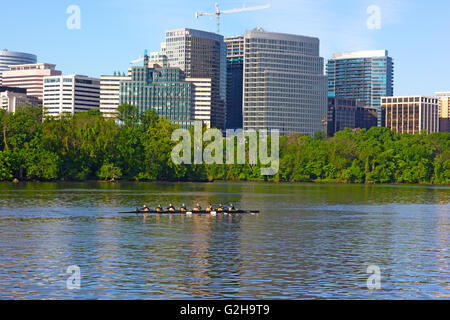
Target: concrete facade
30, 77
9, 58
411, 114
110, 94
70, 93
445, 111
284, 83
201, 54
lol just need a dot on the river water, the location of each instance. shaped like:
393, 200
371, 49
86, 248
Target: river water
309, 242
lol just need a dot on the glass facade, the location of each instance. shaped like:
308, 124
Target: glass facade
162, 90
364, 76
346, 113
235, 78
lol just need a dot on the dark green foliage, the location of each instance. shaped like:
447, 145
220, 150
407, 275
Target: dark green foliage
138, 147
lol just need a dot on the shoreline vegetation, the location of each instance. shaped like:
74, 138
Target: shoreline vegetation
88, 147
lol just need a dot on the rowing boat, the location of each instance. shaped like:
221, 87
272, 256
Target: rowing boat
202, 212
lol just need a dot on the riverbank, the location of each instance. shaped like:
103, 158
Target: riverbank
318, 182
86, 146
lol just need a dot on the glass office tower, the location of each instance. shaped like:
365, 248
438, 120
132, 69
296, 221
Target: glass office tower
161, 89
364, 76
235, 79
284, 83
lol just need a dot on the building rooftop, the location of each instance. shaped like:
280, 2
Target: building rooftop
32, 66
261, 33
360, 54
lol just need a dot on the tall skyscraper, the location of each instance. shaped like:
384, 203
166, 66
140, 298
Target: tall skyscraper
71, 93
411, 114
444, 98
30, 77
284, 83
201, 54
365, 76
9, 58
235, 80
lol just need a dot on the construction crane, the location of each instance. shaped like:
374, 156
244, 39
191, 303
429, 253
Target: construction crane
218, 12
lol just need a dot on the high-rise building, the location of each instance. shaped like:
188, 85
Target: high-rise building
411, 114
30, 77
201, 54
110, 94
161, 89
9, 58
347, 113
71, 93
202, 99
12, 98
445, 111
235, 80
365, 76
284, 83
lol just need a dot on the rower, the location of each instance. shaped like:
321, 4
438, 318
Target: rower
183, 208
210, 208
231, 207
159, 208
171, 208
146, 209
220, 208
198, 207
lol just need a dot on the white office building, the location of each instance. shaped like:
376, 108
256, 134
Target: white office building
71, 93
110, 94
284, 83
12, 99
202, 99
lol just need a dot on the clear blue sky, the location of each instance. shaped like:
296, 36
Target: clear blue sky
114, 32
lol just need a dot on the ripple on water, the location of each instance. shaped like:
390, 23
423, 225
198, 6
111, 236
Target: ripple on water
309, 242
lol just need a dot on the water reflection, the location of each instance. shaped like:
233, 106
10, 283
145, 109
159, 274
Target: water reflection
310, 241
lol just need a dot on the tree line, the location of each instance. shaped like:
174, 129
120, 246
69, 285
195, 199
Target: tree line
87, 146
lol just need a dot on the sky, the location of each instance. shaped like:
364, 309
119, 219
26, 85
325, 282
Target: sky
113, 32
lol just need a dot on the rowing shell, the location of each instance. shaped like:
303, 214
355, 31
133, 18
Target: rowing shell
203, 212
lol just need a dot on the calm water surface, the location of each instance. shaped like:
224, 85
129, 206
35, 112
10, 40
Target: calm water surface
308, 242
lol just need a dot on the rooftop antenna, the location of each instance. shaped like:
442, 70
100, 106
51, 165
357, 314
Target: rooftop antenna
140, 59
218, 12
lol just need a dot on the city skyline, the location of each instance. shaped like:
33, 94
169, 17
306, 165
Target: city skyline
113, 33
